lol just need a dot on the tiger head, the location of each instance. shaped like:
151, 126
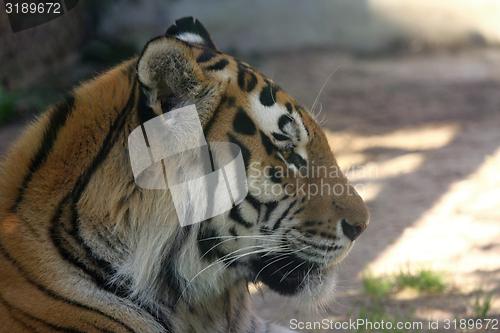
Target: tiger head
301, 215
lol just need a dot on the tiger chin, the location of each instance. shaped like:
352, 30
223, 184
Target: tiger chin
84, 249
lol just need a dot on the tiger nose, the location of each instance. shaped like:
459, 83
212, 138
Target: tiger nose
352, 231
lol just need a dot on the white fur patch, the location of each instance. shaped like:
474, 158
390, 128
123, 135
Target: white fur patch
249, 213
267, 118
190, 37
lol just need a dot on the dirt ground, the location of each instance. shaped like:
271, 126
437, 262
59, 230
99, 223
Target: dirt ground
419, 137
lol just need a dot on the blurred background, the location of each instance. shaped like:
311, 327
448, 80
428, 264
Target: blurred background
408, 93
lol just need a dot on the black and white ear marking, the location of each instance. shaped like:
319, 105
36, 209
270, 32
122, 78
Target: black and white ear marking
191, 31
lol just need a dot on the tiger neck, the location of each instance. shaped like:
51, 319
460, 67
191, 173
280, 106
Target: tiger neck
155, 261
231, 311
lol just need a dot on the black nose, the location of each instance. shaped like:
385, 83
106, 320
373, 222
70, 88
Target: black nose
351, 231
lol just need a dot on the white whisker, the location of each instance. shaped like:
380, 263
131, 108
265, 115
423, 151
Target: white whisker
290, 272
323, 87
227, 240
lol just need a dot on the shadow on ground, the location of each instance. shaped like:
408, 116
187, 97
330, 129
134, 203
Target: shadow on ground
415, 134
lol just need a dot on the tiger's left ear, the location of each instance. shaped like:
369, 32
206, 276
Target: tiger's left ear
170, 77
167, 66
190, 30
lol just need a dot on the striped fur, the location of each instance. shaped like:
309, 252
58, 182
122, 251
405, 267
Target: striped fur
83, 249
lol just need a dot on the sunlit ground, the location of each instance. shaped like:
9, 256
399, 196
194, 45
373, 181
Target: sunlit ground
460, 233
459, 236
418, 137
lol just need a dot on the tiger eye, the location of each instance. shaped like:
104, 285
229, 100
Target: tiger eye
287, 151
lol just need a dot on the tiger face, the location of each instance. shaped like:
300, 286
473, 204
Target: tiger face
301, 216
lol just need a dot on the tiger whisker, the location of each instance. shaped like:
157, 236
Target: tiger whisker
227, 240
323, 87
290, 272
289, 262
280, 257
219, 260
238, 237
306, 276
254, 252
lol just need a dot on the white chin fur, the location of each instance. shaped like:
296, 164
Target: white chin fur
320, 290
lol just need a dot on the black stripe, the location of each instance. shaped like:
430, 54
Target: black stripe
70, 244
267, 143
245, 152
243, 124
284, 120
54, 327
54, 295
100, 329
280, 137
72, 200
219, 65
144, 111
270, 207
231, 101
254, 202
268, 94
73, 197
246, 79
275, 174
297, 160
108, 143
14, 316
170, 279
224, 100
101, 268
285, 213
56, 121
206, 55
208, 242
235, 214
105, 268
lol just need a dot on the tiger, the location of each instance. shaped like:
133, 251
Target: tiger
83, 248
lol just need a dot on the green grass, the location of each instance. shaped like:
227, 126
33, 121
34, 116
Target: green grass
423, 281
380, 288
377, 287
482, 306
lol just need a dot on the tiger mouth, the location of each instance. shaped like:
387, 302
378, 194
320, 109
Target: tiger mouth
284, 273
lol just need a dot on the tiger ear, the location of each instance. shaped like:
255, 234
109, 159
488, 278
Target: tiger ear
167, 67
190, 30
170, 77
